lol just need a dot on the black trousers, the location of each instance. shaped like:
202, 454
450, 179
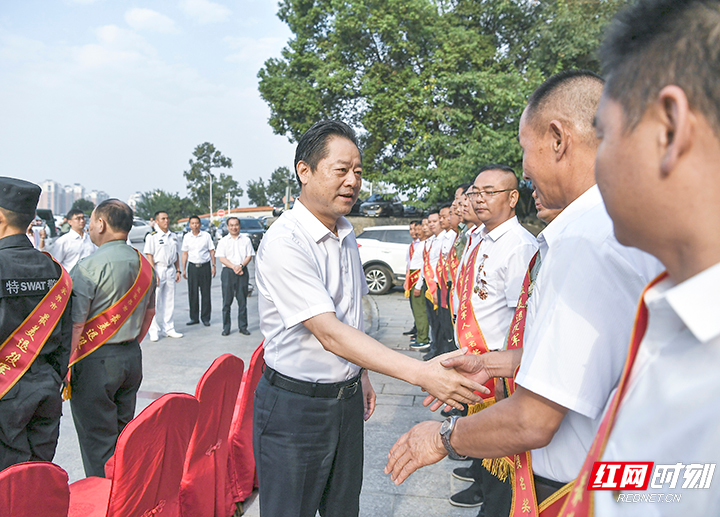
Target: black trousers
199, 278
308, 452
104, 392
234, 286
30, 416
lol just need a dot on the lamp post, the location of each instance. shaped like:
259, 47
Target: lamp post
211, 210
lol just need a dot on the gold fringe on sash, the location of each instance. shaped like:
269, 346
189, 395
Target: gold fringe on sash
501, 468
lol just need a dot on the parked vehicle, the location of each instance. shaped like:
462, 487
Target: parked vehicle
140, 229
252, 227
205, 226
382, 205
383, 252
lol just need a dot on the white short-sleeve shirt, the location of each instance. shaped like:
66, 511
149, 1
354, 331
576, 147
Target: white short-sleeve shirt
235, 249
198, 247
163, 247
303, 270
71, 247
578, 326
670, 413
509, 249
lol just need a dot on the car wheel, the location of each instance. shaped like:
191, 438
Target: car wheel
379, 279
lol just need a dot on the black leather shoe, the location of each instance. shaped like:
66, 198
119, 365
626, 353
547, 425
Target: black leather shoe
225, 332
469, 498
463, 474
206, 323
191, 322
411, 332
245, 332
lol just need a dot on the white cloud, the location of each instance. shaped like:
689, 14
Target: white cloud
205, 11
115, 46
149, 20
253, 51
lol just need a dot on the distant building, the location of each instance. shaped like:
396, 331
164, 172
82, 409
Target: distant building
134, 199
60, 199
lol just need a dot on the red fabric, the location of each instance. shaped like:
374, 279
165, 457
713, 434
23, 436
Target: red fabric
241, 461
34, 488
204, 483
148, 464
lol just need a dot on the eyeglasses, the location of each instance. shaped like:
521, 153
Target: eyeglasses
486, 193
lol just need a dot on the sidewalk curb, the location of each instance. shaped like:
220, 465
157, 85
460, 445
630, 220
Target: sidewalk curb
372, 315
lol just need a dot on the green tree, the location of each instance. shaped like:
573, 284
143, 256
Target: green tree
85, 205
256, 192
200, 178
434, 88
277, 184
171, 202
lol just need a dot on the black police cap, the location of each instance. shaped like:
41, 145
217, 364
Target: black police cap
19, 195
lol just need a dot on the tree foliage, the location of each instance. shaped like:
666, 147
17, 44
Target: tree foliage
85, 205
256, 192
206, 158
274, 192
435, 87
170, 202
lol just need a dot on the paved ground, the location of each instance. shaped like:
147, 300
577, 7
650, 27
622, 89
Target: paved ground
177, 364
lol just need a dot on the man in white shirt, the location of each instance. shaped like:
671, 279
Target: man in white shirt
417, 304
657, 170
234, 251
198, 252
163, 251
75, 244
313, 396
579, 317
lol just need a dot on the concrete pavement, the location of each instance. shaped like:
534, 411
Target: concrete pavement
175, 365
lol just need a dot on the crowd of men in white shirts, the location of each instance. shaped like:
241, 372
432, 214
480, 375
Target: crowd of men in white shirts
192, 257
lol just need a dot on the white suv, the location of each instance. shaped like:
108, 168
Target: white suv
383, 251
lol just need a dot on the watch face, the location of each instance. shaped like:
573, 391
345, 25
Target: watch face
445, 426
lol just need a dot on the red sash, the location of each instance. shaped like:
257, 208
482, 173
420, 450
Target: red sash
101, 328
409, 282
519, 466
441, 271
468, 330
452, 269
411, 279
429, 275
25, 343
580, 501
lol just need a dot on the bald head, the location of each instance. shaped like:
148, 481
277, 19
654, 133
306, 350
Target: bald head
571, 97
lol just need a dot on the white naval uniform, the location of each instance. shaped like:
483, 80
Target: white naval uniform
71, 247
164, 248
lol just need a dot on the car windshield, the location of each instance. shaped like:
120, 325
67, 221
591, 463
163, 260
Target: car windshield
250, 224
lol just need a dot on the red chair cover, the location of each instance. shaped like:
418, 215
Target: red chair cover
204, 484
241, 461
34, 488
148, 465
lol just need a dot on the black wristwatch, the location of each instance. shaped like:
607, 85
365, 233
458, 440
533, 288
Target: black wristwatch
446, 430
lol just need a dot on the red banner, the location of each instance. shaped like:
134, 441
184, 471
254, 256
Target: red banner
429, 274
411, 279
23, 346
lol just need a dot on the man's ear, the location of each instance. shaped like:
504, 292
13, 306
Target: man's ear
514, 198
303, 171
560, 138
677, 126
101, 225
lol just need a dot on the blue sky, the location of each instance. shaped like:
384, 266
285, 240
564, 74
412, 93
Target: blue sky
116, 94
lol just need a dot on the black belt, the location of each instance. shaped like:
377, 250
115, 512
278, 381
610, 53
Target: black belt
199, 265
335, 390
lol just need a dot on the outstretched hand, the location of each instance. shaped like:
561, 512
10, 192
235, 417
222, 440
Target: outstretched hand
419, 447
